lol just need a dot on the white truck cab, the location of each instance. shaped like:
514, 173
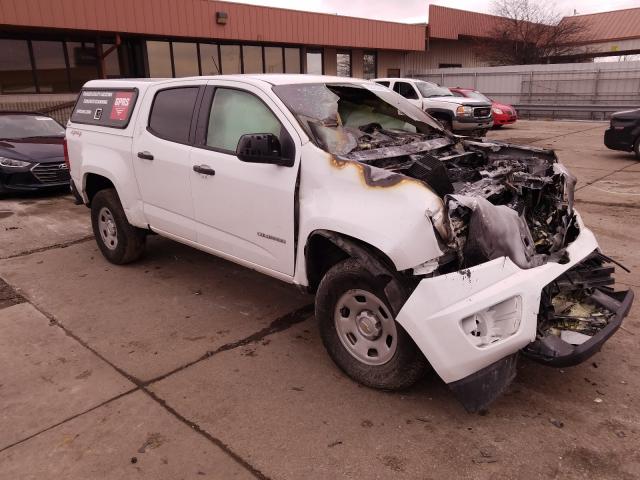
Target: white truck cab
422, 248
458, 114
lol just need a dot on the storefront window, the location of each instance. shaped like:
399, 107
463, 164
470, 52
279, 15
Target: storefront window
51, 67
252, 59
273, 60
231, 62
83, 63
185, 59
292, 60
16, 75
314, 63
343, 64
159, 57
209, 59
111, 62
369, 65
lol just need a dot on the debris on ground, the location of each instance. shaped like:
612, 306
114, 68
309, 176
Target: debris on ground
556, 423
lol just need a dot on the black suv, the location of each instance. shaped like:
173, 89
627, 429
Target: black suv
624, 132
31, 153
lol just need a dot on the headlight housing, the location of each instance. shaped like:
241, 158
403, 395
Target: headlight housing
464, 111
498, 111
13, 163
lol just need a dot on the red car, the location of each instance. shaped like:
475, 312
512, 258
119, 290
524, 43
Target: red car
502, 114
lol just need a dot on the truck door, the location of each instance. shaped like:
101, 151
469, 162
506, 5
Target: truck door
161, 151
243, 210
408, 91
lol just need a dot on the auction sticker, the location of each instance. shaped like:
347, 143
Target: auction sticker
105, 107
120, 109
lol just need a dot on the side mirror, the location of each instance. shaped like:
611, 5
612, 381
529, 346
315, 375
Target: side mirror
262, 148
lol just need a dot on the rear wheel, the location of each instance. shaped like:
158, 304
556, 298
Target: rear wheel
360, 333
118, 240
636, 148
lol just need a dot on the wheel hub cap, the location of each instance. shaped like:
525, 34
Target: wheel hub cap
111, 227
368, 325
107, 228
365, 327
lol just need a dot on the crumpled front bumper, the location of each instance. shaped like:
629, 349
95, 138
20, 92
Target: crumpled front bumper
434, 314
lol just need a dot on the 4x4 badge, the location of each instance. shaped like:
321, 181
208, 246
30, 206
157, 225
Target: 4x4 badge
271, 237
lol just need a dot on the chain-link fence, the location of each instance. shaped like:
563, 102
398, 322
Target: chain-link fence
582, 91
59, 108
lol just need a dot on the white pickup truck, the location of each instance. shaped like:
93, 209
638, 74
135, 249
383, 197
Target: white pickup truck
458, 114
423, 249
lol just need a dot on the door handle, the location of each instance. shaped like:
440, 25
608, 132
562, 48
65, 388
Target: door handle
145, 155
204, 169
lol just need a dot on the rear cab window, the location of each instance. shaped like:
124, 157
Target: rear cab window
172, 113
105, 107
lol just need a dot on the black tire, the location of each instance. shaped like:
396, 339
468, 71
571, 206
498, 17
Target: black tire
126, 242
636, 148
402, 370
447, 124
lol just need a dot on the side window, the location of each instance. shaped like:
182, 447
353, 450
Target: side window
384, 83
171, 113
235, 113
406, 90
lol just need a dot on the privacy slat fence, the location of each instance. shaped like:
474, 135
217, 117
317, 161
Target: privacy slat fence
580, 91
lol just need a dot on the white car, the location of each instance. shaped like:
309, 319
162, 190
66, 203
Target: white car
457, 114
422, 248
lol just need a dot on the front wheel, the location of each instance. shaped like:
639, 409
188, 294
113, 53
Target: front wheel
636, 148
360, 333
118, 240
447, 124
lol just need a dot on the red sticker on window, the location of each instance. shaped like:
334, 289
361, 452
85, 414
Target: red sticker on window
121, 106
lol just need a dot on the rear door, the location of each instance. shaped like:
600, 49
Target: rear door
244, 210
161, 156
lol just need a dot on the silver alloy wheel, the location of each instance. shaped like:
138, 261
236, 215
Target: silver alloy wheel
365, 327
107, 227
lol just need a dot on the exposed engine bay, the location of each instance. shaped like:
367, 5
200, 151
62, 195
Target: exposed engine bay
500, 199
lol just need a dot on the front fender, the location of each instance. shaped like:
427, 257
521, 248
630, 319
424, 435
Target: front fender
390, 215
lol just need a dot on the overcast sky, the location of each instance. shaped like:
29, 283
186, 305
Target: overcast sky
414, 11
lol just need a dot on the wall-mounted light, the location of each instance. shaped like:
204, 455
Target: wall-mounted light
221, 18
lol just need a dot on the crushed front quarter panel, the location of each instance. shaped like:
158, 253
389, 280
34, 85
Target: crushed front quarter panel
435, 310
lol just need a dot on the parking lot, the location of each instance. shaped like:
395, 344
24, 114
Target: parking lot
184, 365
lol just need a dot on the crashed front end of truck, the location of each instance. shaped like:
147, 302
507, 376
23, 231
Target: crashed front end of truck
519, 272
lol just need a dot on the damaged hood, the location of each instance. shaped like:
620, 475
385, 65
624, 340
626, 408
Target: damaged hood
499, 200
